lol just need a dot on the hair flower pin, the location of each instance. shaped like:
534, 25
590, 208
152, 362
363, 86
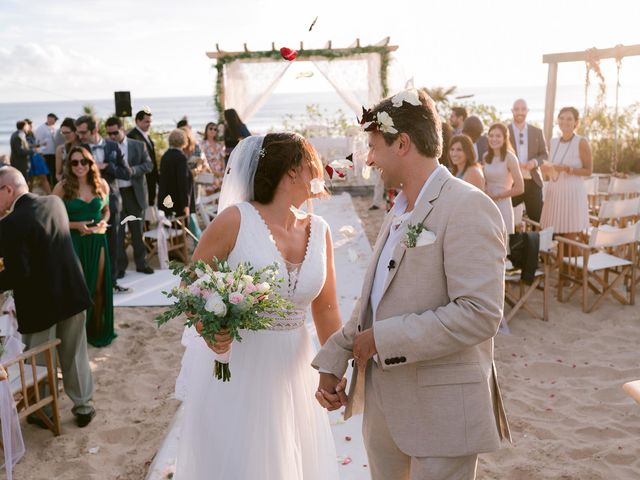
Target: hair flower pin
261, 153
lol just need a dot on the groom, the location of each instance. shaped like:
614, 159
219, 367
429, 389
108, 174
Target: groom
430, 306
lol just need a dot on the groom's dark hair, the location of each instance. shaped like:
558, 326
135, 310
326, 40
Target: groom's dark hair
421, 122
280, 153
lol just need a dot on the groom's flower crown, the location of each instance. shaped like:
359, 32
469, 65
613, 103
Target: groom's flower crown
382, 121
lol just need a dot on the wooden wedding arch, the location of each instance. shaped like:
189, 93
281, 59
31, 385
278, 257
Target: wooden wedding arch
351, 52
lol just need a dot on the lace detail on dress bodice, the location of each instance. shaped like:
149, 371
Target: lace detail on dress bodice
301, 282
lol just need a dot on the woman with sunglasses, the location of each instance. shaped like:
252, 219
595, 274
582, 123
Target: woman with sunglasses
68, 132
86, 198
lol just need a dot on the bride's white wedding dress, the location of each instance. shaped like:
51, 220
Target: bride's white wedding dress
265, 423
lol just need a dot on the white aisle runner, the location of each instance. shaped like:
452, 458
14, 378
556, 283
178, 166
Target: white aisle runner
352, 252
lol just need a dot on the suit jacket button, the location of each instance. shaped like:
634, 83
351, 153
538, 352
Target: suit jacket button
387, 361
394, 360
403, 359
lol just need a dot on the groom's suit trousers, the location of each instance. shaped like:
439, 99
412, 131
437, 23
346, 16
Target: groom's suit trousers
387, 461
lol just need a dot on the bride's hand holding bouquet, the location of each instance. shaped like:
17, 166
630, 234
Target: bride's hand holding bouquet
219, 302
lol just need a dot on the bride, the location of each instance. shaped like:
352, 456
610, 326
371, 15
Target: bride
265, 422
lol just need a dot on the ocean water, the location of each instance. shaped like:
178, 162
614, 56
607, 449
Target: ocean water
200, 110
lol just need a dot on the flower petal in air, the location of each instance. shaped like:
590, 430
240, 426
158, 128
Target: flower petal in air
130, 218
299, 214
167, 202
317, 186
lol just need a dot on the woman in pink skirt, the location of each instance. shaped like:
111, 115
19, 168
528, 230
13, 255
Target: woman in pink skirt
565, 205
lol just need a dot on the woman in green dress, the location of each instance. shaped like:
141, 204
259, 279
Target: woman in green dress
86, 197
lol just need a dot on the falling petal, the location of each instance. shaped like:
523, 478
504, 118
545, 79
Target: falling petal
341, 163
167, 202
288, 53
347, 438
329, 171
346, 461
130, 218
317, 186
313, 23
409, 96
94, 450
299, 214
366, 172
304, 75
348, 231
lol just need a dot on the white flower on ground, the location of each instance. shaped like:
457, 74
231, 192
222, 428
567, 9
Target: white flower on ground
299, 214
317, 186
130, 218
215, 304
235, 298
409, 96
385, 123
167, 202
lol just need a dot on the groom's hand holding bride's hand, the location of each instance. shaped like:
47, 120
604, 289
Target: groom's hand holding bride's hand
222, 342
331, 391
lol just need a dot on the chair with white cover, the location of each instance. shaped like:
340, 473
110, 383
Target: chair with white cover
624, 187
169, 236
606, 265
594, 197
617, 213
207, 208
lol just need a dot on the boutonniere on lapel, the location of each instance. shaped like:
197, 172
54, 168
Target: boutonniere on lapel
418, 236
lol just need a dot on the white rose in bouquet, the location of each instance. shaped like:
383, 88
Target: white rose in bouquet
215, 304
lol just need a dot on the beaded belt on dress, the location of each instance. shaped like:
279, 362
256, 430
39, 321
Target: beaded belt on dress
294, 319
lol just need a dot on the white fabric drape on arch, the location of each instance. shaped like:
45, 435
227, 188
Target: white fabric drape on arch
356, 79
248, 85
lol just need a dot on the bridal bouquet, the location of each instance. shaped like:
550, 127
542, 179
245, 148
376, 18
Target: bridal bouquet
221, 298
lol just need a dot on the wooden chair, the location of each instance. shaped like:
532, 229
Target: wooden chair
602, 265
26, 378
207, 208
517, 293
592, 185
621, 188
617, 213
175, 232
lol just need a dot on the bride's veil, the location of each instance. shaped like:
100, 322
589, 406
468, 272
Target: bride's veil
237, 184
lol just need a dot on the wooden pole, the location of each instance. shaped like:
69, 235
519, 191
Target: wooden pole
550, 102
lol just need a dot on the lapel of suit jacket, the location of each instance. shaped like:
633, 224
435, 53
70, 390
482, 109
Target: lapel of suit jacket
131, 153
367, 284
420, 212
512, 138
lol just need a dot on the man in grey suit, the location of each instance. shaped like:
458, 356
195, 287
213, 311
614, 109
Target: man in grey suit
134, 195
20, 149
528, 143
422, 335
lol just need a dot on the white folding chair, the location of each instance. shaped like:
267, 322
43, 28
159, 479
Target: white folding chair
207, 208
624, 187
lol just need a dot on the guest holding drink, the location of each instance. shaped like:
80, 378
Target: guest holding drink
566, 207
463, 161
502, 173
86, 198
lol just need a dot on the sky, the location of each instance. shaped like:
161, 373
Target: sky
86, 49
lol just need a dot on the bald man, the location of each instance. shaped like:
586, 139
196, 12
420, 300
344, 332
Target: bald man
528, 143
50, 292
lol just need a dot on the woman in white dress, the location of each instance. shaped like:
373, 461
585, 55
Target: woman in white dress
264, 423
566, 206
502, 173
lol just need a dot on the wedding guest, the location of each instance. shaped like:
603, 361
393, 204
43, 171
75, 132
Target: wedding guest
86, 198
474, 129
447, 133
457, 118
20, 148
566, 208
502, 173
531, 149
45, 135
213, 150
234, 131
134, 196
463, 161
68, 131
142, 132
175, 176
50, 293
4, 160
38, 170
110, 162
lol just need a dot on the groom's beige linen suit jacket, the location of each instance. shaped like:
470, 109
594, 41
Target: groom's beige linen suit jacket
440, 309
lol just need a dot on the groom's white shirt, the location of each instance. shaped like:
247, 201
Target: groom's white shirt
400, 217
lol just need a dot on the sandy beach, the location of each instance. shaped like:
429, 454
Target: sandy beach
561, 382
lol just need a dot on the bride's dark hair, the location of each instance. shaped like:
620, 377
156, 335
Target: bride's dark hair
280, 153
